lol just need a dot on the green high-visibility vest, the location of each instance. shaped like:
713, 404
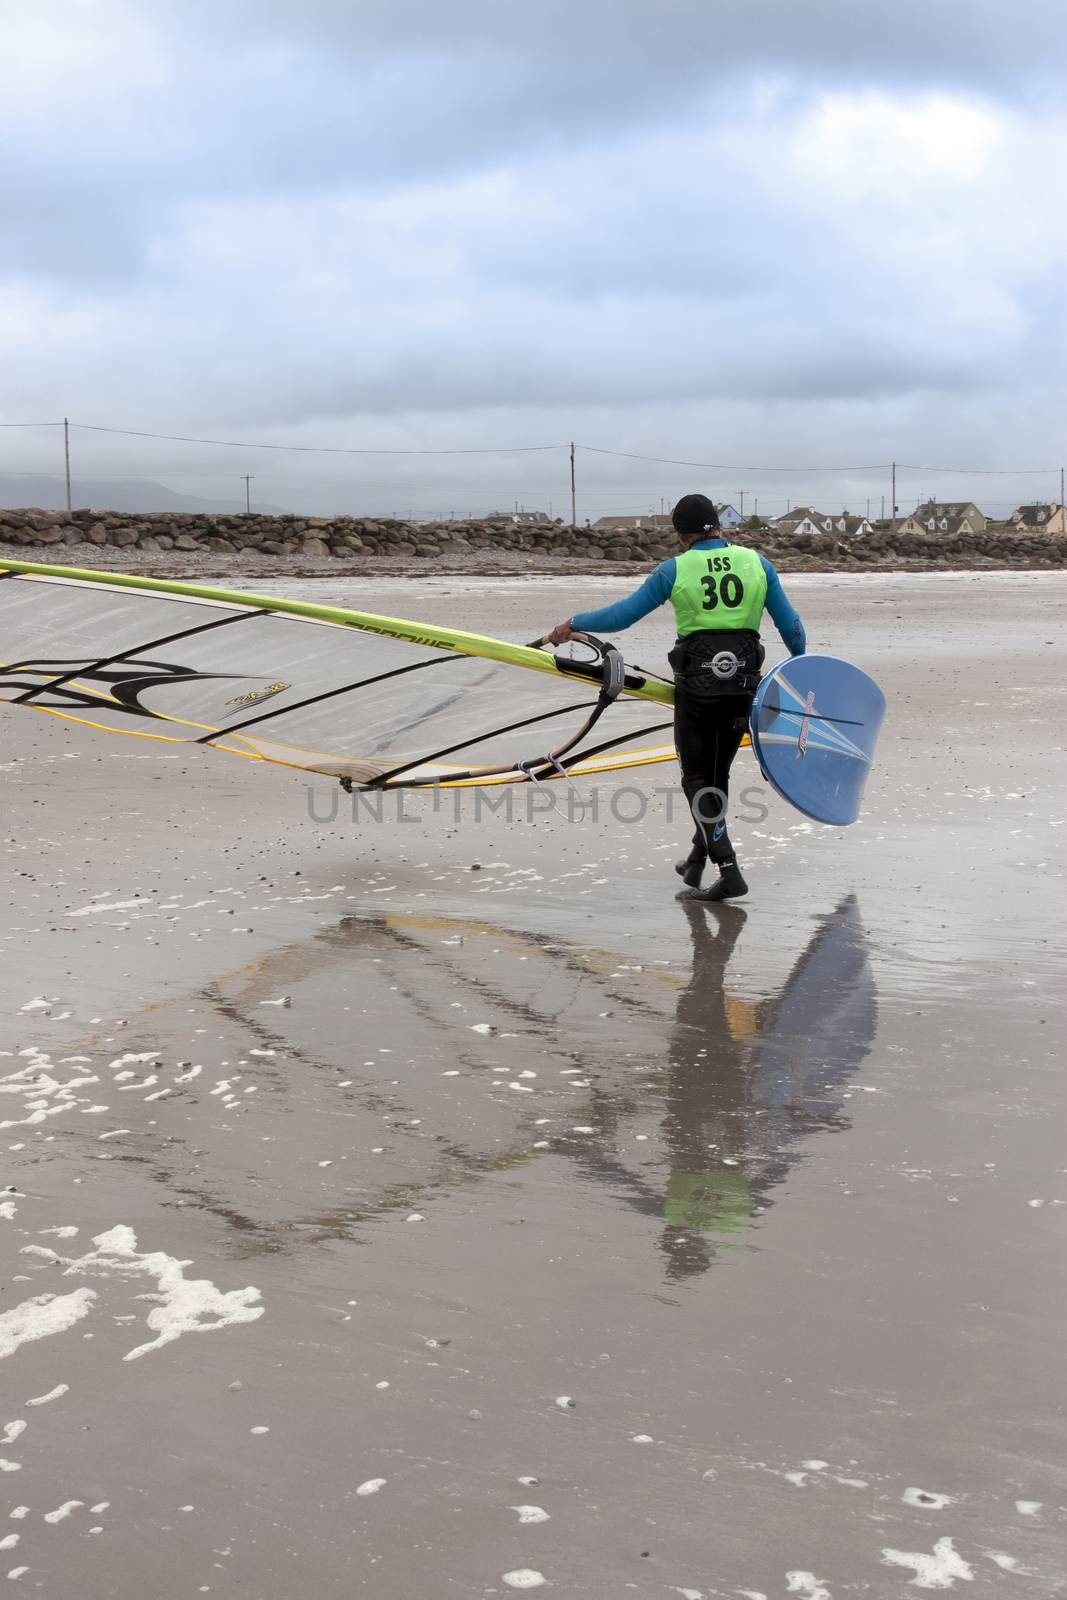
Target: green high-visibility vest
718, 589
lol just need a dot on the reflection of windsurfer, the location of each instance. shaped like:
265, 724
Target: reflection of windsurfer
747, 1077
704, 1130
719, 592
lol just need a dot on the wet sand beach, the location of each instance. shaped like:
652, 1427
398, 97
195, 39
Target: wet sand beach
437, 1205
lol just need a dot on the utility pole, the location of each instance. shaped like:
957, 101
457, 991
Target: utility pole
574, 508
893, 502
868, 508
755, 507
66, 455
1061, 488
882, 517
741, 507
247, 478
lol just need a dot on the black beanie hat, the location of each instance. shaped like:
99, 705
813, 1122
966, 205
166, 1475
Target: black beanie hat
692, 514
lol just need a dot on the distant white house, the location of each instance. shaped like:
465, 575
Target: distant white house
804, 520
1048, 518
729, 517
649, 520
520, 518
950, 517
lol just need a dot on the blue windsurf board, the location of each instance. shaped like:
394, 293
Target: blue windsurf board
814, 725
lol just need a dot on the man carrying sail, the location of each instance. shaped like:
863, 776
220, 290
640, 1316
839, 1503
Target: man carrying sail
719, 592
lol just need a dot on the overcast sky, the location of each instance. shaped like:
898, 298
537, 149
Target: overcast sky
773, 233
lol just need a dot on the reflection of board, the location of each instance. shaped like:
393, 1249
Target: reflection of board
822, 1025
814, 724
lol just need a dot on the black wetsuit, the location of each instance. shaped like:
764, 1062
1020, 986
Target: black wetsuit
708, 735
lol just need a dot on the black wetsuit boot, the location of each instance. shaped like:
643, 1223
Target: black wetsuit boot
730, 885
691, 870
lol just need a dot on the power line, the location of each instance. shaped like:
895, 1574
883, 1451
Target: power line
193, 474
315, 449
726, 466
526, 449
982, 472
878, 466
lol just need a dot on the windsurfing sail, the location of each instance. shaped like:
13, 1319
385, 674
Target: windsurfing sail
374, 701
814, 725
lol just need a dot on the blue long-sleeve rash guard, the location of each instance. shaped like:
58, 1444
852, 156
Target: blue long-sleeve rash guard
656, 591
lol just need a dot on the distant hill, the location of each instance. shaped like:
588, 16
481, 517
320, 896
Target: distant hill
113, 494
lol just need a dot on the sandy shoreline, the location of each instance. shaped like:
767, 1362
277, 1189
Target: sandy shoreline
654, 1251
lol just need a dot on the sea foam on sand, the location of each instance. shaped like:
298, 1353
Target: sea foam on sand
184, 1305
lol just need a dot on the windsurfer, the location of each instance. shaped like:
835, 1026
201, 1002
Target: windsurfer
719, 592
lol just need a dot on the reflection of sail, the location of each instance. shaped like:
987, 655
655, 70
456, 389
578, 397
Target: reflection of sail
415, 974
746, 1080
743, 1078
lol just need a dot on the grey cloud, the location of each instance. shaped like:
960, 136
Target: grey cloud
272, 98
618, 48
421, 221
